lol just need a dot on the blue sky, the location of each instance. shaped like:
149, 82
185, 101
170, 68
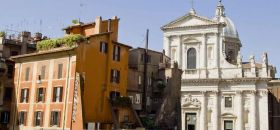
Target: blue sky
257, 21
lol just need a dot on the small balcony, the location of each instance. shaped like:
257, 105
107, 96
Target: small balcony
191, 71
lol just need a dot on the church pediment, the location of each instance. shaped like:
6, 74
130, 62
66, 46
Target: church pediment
189, 21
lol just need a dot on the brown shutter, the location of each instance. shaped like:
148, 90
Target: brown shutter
119, 53
60, 94
58, 118
37, 94
54, 93
34, 119
27, 95
51, 121
112, 77
118, 76
42, 119
44, 94
25, 118
21, 95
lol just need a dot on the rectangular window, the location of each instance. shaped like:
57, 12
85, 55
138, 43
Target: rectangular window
137, 99
38, 118
14, 53
131, 99
55, 118
8, 93
10, 71
5, 116
228, 102
115, 76
27, 71
59, 71
57, 94
139, 80
103, 47
43, 71
40, 94
148, 58
228, 125
24, 95
22, 118
116, 53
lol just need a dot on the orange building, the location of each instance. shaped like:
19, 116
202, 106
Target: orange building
79, 84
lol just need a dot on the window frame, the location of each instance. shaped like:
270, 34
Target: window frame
60, 71
228, 102
191, 58
27, 74
55, 96
103, 47
24, 97
38, 118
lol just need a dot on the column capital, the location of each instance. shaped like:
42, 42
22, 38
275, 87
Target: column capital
253, 92
203, 93
239, 92
263, 92
216, 93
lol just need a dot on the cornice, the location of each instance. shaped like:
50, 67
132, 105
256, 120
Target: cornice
233, 80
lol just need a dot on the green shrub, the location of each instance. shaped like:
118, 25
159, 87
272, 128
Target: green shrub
67, 41
2, 34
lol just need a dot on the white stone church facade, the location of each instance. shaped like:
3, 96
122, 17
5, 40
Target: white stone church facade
219, 91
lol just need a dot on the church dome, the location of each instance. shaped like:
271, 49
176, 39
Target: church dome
229, 30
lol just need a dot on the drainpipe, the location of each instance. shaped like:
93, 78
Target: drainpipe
67, 87
15, 105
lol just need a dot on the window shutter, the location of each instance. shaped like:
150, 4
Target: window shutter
119, 53
35, 118
27, 94
22, 95
100, 46
54, 94
44, 93
42, 119
27, 74
60, 94
52, 118
59, 73
118, 76
58, 118
112, 76
106, 47
25, 118
114, 53
43, 70
37, 94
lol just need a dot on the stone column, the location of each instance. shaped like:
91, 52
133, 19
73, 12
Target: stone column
204, 51
180, 59
216, 51
240, 124
203, 114
216, 111
253, 110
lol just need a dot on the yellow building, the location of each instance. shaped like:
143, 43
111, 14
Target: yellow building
103, 63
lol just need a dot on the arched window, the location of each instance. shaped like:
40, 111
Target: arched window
191, 59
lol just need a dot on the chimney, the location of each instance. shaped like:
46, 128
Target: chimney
98, 24
37, 37
109, 25
25, 36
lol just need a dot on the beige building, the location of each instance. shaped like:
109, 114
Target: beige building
163, 83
